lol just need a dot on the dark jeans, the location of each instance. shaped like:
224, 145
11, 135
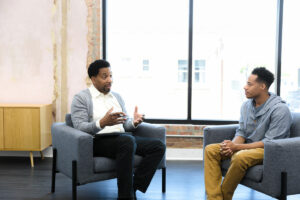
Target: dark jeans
123, 147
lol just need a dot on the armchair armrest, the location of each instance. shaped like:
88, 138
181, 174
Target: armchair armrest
73, 144
282, 155
217, 134
152, 131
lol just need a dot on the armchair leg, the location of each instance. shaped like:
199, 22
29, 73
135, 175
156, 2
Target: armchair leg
163, 180
283, 194
53, 170
74, 180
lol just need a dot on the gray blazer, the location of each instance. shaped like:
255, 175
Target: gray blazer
82, 113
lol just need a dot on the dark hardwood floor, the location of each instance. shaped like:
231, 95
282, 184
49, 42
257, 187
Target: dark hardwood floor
184, 182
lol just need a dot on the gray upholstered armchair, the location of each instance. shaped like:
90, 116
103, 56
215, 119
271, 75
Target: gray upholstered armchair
279, 175
73, 154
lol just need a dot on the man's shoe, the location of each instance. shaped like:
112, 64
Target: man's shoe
130, 198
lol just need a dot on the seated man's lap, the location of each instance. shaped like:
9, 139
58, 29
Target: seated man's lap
108, 146
251, 156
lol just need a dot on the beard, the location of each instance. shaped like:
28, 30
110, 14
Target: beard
106, 88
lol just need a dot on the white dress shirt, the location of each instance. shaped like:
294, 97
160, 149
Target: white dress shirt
101, 104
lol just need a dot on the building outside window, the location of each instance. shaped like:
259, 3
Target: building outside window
145, 65
182, 71
199, 72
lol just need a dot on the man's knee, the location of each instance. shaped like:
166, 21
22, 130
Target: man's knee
127, 142
160, 146
156, 146
212, 149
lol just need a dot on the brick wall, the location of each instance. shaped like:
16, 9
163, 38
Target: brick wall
184, 136
175, 129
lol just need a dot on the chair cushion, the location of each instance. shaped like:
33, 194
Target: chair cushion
254, 173
104, 164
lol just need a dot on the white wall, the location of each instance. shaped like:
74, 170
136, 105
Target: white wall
33, 50
26, 52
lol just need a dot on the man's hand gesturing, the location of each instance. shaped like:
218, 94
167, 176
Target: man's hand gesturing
111, 118
137, 118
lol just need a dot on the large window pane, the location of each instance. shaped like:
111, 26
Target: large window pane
147, 43
230, 39
290, 73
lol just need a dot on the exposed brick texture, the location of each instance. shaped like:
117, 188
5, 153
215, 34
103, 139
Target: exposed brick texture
184, 129
184, 136
184, 142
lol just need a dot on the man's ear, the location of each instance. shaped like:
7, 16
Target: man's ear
263, 86
93, 79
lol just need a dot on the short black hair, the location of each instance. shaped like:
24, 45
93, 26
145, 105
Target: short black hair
94, 67
264, 75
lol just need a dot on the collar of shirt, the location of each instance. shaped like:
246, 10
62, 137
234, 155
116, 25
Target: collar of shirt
95, 93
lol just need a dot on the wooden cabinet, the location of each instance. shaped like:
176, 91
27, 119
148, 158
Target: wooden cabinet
25, 127
1, 129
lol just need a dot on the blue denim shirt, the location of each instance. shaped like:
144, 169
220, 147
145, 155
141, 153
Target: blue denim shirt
272, 121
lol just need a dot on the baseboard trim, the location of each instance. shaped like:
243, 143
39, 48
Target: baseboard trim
171, 154
184, 154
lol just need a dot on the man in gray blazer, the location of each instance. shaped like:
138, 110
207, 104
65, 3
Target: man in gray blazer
100, 112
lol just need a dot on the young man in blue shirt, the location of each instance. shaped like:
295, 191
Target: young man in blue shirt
264, 117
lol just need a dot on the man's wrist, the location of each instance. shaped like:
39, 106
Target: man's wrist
101, 124
240, 147
237, 147
135, 124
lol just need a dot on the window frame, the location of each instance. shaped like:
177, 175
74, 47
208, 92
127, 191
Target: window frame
189, 120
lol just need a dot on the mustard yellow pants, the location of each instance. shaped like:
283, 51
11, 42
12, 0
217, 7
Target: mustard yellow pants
240, 162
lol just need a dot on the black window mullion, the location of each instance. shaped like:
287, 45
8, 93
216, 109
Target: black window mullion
278, 44
190, 60
104, 29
